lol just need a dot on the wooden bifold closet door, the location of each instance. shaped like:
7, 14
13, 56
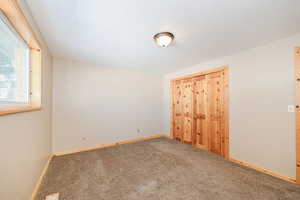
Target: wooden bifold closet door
200, 110
187, 100
200, 113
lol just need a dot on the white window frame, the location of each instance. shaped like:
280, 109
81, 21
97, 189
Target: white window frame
18, 23
6, 22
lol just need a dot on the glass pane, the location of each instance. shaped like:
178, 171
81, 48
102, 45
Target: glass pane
14, 65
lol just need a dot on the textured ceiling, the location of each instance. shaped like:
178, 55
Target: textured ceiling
118, 33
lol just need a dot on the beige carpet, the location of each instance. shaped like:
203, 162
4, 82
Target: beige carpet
158, 169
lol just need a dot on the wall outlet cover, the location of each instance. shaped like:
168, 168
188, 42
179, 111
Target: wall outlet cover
291, 108
54, 196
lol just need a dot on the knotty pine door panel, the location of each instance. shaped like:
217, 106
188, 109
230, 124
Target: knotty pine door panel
200, 131
187, 100
214, 88
178, 111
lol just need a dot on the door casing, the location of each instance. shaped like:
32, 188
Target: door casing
297, 112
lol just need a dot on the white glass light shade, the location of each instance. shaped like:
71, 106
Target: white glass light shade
164, 39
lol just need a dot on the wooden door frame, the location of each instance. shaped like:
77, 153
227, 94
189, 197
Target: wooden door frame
297, 111
225, 74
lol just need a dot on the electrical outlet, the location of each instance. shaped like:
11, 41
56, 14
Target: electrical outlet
54, 196
291, 108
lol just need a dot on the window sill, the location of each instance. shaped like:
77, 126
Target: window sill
23, 108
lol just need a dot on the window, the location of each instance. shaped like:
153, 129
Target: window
14, 65
20, 62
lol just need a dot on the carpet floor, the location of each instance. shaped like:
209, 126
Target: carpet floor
158, 169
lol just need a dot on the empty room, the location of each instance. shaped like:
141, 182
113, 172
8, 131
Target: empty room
149, 100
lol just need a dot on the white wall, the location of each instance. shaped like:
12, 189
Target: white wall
25, 143
96, 105
262, 132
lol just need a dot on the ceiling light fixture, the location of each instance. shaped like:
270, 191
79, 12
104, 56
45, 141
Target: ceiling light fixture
163, 39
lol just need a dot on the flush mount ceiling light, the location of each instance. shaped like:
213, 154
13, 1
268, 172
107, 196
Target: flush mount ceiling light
163, 39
